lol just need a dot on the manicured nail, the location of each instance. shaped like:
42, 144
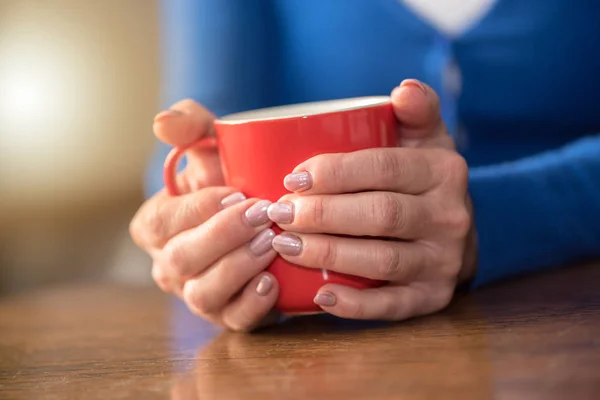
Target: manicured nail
265, 284
414, 82
257, 214
281, 213
232, 199
164, 115
262, 242
298, 181
287, 244
325, 299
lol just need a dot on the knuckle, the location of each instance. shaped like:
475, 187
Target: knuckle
326, 167
242, 326
463, 222
135, 231
327, 256
443, 297
160, 278
452, 221
356, 310
388, 165
174, 258
153, 222
318, 211
240, 323
197, 300
453, 268
459, 222
194, 207
456, 167
334, 166
388, 212
147, 226
389, 264
392, 310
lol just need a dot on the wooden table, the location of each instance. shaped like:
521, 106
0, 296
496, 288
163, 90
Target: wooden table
536, 338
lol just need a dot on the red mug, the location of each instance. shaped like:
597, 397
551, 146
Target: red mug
259, 148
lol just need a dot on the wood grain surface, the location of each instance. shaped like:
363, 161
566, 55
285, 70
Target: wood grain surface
534, 338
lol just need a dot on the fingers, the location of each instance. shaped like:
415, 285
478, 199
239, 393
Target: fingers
374, 259
162, 217
183, 123
417, 108
378, 214
210, 291
409, 171
253, 305
391, 303
194, 250
164, 281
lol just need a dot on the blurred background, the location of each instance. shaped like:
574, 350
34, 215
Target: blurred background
79, 84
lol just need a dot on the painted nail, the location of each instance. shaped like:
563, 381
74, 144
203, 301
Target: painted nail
287, 244
262, 242
298, 181
257, 214
265, 284
164, 115
325, 299
415, 83
232, 199
281, 213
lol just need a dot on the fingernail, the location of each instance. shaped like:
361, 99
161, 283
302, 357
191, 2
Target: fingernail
163, 115
281, 213
265, 284
257, 214
262, 242
232, 199
287, 244
298, 181
415, 83
325, 299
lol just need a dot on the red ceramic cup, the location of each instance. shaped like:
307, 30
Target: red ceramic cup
259, 148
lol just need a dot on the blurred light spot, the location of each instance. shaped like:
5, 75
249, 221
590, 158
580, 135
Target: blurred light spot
23, 97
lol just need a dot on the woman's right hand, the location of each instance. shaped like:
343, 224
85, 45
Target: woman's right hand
210, 245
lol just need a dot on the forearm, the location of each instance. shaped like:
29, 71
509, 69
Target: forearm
539, 212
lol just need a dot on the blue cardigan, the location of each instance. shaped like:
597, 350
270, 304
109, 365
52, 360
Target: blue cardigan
520, 93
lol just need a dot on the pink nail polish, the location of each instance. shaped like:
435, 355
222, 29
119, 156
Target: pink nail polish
265, 284
262, 242
281, 213
415, 83
164, 115
232, 199
325, 299
287, 244
257, 214
298, 181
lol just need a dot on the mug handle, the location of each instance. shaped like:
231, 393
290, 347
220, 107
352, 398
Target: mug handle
172, 160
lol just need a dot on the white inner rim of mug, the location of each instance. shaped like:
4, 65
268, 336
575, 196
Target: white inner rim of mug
304, 109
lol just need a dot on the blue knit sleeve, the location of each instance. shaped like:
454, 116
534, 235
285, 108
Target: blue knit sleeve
539, 212
217, 52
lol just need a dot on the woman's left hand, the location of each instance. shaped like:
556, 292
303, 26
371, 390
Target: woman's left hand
404, 213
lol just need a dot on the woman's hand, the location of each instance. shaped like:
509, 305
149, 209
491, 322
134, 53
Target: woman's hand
404, 214
210, 245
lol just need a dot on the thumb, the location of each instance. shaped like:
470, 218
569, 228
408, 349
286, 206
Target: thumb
417, 108
183, 124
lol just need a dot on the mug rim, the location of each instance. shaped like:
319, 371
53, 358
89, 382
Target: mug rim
304, 110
